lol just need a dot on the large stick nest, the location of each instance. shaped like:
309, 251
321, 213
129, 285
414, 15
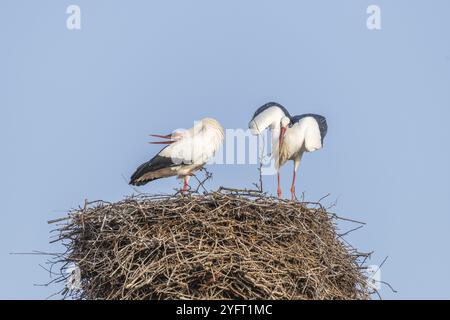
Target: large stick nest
220, 245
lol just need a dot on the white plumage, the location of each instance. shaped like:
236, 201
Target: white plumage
291, 136
299, 137
187, 152
196, 145
268, 118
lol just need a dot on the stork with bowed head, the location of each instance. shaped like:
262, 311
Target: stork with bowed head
291, 136
187, 152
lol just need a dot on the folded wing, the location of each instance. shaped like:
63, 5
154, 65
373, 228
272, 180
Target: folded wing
314, 129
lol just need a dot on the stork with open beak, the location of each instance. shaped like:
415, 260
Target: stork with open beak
291, 136
186, 152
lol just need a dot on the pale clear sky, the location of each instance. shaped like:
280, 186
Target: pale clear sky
76, 108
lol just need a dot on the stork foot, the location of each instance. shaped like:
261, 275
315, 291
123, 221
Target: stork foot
280, 195
293, 195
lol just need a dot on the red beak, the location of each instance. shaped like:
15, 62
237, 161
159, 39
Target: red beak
162, 137
162, 142
282, 133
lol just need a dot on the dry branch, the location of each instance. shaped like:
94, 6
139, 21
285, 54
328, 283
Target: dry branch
229, 244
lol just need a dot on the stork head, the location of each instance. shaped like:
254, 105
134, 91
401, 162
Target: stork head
284, 123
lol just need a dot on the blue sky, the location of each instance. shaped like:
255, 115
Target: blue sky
76, 108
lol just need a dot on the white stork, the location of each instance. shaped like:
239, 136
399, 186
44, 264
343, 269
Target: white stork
291, 136
187, 152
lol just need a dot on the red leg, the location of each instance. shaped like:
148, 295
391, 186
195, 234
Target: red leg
279, 188
185, 184
294, 197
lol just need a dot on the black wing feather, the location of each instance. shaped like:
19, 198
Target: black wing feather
271, 104
156, 163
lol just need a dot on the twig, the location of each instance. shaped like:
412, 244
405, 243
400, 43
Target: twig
227, 244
